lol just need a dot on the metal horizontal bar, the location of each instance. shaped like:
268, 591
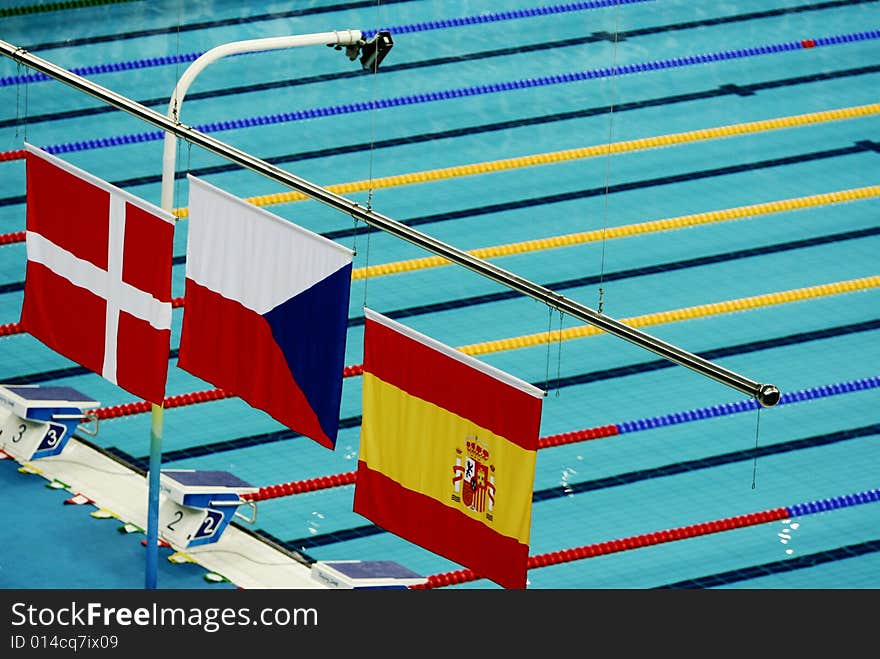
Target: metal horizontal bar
766, 394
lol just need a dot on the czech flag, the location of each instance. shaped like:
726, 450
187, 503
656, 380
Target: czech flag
98, 282
265, 311
447, 451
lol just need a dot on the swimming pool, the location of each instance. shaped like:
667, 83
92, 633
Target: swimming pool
723, 196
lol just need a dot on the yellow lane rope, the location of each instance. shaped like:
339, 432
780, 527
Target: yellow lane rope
626, 230
675, 315
573, 154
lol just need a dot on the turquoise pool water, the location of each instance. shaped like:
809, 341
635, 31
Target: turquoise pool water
526, 94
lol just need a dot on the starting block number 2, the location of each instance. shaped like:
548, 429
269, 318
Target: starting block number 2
185, 525
210, 524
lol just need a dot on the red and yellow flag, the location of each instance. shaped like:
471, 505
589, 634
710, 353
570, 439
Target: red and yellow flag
447, 451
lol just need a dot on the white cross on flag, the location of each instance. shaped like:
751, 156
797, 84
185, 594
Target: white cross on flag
98, 282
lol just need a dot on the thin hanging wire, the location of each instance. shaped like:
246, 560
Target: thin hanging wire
189, 148
549, 349
373, 87
757, 433
601, 303
549, 345
177, 180
17, 99
21, 120
366, 266
559, 354
177, 46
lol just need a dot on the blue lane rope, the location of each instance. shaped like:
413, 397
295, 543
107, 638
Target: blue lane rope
833, 503
491, 88
132, 65
726, 409
501, 16
812, 393
96, 69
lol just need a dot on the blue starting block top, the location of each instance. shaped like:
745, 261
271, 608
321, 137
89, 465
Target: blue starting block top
24, 400
365, 574
190, 487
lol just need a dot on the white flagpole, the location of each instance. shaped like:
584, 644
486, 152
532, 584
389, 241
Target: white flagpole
348, 38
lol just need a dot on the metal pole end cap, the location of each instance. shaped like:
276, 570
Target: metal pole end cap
768, 395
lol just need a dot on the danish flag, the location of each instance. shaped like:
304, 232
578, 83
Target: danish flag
98, 280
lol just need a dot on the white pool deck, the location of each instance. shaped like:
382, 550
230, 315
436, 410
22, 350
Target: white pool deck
116, 490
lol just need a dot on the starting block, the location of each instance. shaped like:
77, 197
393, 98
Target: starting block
36, 421
365, 575
197, 506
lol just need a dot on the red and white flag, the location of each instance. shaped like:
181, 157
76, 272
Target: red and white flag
98, 281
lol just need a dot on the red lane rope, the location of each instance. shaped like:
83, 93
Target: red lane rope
15, 328
18, 154
348, 478
622, 544
9, 238
179, 400
299, 487
10, 329
610, 430
571, 437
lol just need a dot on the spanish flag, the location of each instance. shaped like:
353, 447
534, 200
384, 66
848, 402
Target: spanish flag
447, 451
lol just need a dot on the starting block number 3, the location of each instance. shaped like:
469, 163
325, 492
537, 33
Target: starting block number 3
24, 438
13, 430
